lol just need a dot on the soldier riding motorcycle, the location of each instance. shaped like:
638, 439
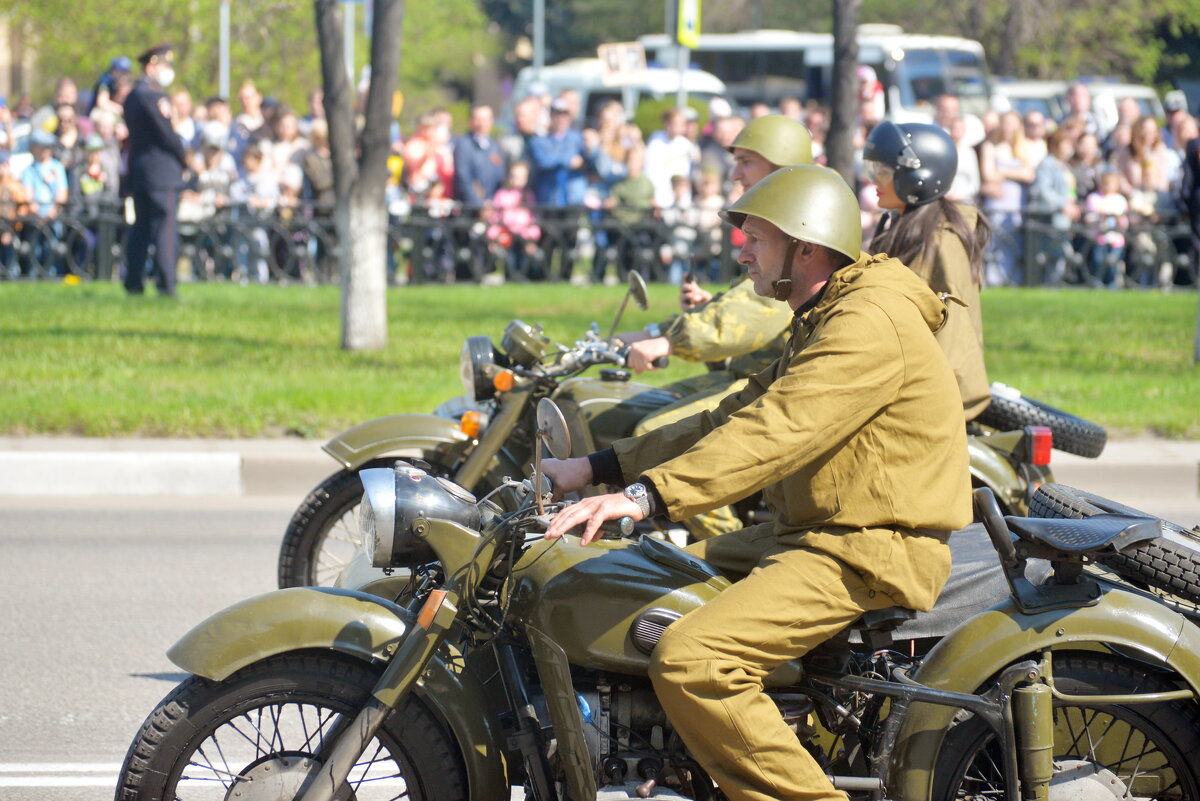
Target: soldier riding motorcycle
483, 436
521, 661
1010, 444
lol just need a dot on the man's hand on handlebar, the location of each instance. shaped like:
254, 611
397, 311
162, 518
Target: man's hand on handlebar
591, 512
649, 354
692, 295
568, 475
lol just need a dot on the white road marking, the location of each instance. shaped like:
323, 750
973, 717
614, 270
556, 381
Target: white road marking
58, 774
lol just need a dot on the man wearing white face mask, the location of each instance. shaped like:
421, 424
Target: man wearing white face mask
155, 173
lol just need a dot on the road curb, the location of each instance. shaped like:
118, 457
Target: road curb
120, 473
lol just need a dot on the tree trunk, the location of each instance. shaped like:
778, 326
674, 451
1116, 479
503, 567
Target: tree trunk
360, 167
839, 145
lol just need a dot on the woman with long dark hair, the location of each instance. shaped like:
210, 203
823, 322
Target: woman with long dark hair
912, 167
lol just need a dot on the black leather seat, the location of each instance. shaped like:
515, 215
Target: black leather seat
1082, 536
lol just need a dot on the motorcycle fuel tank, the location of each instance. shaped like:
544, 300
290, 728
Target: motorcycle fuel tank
607, 409
606, 603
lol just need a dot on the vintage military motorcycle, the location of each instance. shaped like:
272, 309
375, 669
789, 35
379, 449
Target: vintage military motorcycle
485, 435
510, 660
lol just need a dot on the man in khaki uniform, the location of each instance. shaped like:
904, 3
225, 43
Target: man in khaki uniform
855, 436
738, 326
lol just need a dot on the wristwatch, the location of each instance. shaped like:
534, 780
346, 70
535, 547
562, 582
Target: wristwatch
639, 495
654, 330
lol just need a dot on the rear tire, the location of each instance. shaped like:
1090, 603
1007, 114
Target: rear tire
1153, 749
1071, 434
268, 722
1160, 563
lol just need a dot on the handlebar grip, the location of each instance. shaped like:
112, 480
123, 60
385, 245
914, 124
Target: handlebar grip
660, 362
616, 529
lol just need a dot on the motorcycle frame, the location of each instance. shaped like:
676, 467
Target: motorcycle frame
903, 761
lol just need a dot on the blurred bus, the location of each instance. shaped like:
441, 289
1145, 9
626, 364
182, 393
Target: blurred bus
768, 65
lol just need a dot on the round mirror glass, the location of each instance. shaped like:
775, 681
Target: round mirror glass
553, 429
637, 288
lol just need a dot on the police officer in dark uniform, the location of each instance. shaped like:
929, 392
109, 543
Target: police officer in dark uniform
156, 162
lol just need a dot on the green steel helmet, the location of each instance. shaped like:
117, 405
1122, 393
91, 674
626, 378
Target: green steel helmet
807, 202
778, 139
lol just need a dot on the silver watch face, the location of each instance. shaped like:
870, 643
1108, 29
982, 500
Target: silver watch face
635, 491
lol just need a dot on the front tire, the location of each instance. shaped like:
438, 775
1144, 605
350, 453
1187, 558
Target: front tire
322, 536
259, 733
1152, 750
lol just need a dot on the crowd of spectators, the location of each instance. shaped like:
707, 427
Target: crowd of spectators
647, 201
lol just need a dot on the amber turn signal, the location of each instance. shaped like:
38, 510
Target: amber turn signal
503, 380
471, 423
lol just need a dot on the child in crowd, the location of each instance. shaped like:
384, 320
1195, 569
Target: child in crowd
709, 226
681, 217
256, 194
14, 203
1107, 210
512, 227
631, 202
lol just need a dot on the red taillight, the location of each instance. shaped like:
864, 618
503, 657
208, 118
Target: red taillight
1041, 442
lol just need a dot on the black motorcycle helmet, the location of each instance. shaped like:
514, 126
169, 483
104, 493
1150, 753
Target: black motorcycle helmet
922, 157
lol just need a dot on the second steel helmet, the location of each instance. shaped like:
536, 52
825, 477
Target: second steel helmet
778, 139
922, 157
807, 202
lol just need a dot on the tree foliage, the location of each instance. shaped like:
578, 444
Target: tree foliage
1133, 39
272, 42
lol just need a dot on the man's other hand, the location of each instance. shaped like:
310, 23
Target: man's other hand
568, 475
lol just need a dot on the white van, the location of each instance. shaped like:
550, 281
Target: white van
768, 65
597, 83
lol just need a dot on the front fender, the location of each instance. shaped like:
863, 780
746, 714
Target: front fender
388, 435
363, 626
981, 647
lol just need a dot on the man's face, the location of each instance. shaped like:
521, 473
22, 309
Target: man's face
560, 121
481, 121
947, 110
1035, 125
1079, 99
762, 255
749, 167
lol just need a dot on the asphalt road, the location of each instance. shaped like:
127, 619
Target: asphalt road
94, 594
96, 590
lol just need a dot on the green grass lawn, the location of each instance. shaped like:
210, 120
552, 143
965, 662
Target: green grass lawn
265, 361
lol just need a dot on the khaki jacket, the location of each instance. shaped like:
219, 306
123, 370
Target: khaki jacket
736, 324
855, 436
961, 337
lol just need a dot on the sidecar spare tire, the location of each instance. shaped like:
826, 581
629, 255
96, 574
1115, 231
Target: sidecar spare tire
258, 733
1128, 751
1166, 565
1010, 410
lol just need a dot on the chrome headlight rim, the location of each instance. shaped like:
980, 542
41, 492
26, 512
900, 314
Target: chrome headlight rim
477, 356
377, 513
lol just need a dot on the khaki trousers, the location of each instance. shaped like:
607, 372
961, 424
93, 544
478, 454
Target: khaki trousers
708, 668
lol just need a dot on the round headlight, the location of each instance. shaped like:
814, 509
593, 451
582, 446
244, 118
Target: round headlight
477, 355
377, 513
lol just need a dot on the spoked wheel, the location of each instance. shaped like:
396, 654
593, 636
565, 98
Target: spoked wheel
258, 735
1101, 752
322, 536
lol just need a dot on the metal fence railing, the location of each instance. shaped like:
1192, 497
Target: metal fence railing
426, 245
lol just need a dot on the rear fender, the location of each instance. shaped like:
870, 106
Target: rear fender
990, 468
392, 435
363, 626
965, 660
